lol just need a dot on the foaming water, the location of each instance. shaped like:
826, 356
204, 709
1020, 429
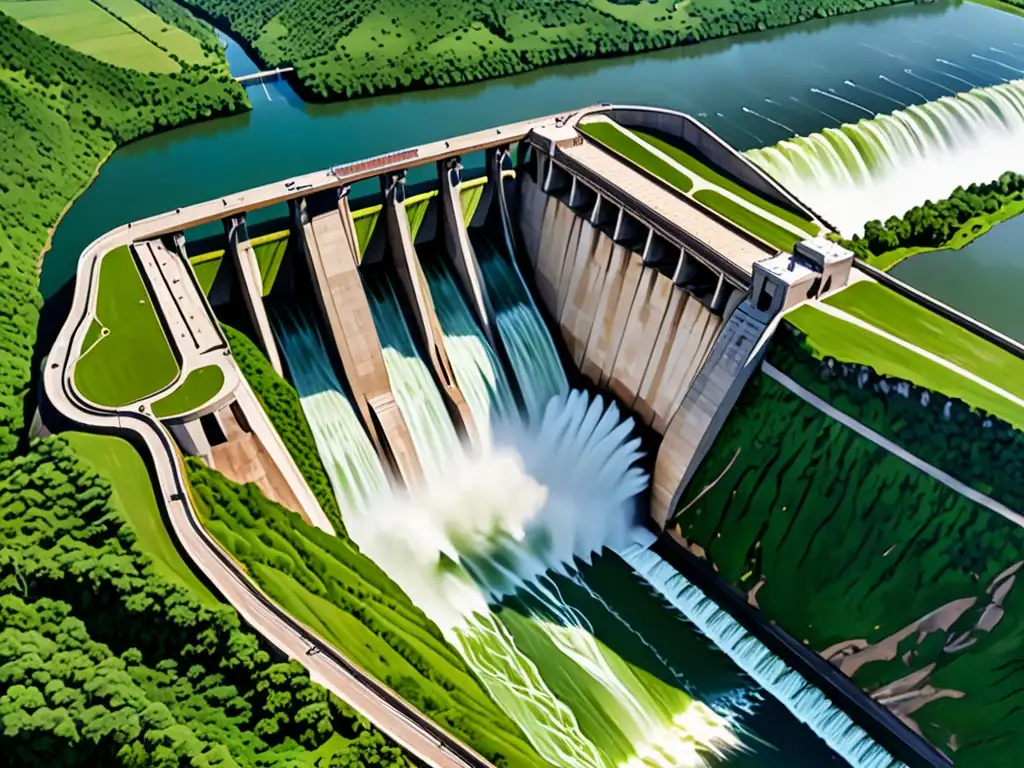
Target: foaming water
886, 165
352, 465
526, 339
416, 393
539, 498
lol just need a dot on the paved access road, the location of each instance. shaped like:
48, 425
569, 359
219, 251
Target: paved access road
405, 725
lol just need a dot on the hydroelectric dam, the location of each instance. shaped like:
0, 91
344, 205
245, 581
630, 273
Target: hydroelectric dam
522, 377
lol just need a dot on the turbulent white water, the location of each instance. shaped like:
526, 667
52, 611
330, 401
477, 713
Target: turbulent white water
494, 547
416, 393
886, 165
801, 698
537, 499
477, 370
527, 342
352, 465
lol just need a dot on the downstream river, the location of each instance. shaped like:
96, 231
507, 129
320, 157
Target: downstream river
753, 90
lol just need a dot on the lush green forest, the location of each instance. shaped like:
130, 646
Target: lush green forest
105, 661
326, 583
350, 48
882, 569
969, 444
61, 114
950, 223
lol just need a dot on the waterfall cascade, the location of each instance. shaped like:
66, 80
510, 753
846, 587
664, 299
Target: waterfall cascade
510, 549
884, 166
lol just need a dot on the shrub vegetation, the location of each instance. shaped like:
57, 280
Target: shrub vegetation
350, 48
107, 662
950, 223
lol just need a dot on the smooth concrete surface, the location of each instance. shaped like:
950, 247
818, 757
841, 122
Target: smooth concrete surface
707, 403
617, 292
413, 283
460, 250
649, 306
243, 459
64, 407
725, 241
583, 289
329, 245
248, 271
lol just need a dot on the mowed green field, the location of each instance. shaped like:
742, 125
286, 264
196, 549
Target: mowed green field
831, 336
887, 310
198, 388
132, 357
702, 184
119, 462
92, 30
156, 30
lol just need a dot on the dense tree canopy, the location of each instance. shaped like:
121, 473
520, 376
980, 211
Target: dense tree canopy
349, 48
61, 114
104, 662
932, 224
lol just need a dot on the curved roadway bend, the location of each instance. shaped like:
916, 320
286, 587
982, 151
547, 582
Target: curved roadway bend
405, 725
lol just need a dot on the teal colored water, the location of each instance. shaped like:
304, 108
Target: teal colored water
984, 278
754, 91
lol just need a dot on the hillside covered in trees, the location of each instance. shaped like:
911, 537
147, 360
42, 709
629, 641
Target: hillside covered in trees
61, 114
104, 659
105, 662
351, 48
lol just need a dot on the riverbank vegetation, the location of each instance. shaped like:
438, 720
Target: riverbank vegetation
352, 48
109, 661
61, 114
904, 584
326, 583
947, 224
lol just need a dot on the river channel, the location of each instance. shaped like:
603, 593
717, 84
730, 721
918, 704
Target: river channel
754, 90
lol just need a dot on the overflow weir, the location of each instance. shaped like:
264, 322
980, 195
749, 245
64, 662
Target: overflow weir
626, 247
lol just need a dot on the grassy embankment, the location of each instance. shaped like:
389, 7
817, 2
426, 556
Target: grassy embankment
325, 582
351, 48
132, 495
130, 357
899, 316
855, 547
831, 336
703, 184
1007, 7
199, 387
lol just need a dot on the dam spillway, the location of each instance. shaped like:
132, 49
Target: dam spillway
519, 534
883, 166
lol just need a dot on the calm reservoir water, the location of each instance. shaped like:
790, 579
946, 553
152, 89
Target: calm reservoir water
754, 90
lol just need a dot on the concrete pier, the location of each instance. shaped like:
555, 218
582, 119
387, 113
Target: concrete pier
329, 244
459, 249
248, 272
413, 282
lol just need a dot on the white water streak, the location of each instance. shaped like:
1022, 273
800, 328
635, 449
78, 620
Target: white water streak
884, 166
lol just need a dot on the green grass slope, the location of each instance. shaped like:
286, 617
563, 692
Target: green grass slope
325, 582
855, 548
